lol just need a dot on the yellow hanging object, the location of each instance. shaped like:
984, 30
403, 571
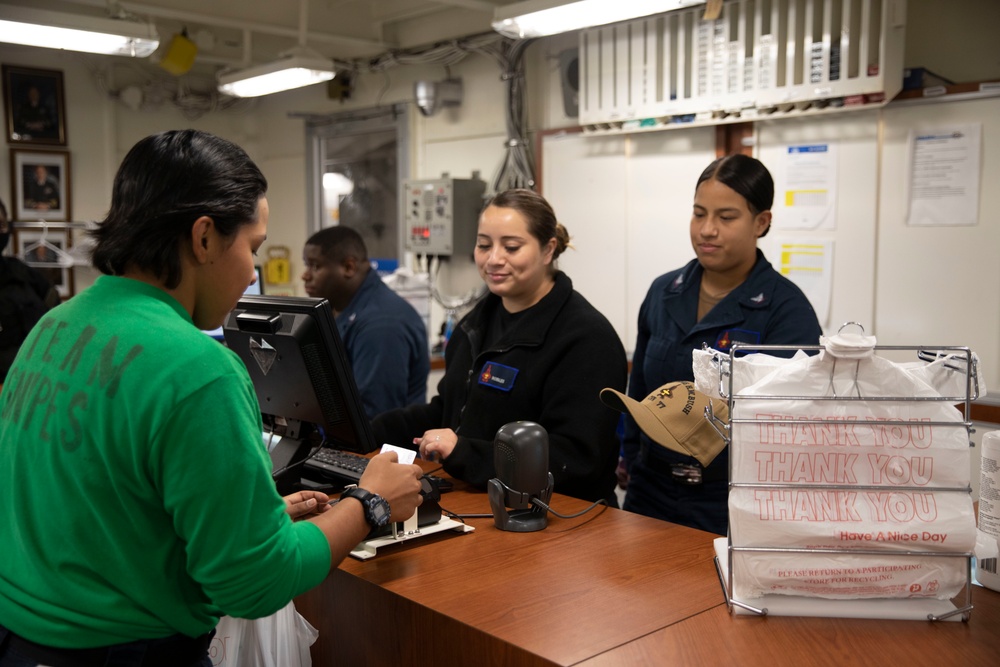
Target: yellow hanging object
180, 55
278, 267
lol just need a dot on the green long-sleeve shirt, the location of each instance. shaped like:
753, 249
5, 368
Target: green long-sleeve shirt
135, 491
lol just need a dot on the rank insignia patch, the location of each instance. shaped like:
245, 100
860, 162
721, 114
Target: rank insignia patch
730, 336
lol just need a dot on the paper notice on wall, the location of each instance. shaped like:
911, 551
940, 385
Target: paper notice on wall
809, 264
808, 187
944, 172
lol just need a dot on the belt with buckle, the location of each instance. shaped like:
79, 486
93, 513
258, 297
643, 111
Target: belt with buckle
684, 473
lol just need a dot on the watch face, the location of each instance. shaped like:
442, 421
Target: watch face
378, 510
376, 507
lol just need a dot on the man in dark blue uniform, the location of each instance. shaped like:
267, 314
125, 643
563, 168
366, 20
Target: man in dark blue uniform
385, 337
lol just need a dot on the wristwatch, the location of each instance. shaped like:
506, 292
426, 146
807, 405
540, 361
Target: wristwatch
376, 507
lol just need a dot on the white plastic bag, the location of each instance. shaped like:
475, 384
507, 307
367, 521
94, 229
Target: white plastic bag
791, 445
711, 368
839, 577
279, 640
848, 449
945, 374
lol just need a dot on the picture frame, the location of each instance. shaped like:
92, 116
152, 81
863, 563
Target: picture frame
35, 247
40, 185
35, 106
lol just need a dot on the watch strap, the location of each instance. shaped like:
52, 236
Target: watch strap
376, 508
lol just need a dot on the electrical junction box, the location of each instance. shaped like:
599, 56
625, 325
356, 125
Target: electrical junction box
441, 216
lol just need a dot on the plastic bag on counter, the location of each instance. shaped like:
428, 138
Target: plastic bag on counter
811, 431
839, 577
711, 370
279, 640
852, 519
851, 441
944, 373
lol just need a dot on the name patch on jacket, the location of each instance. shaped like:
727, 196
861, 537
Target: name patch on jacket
497, 376
730, 336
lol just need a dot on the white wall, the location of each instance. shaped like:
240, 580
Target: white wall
626, 201
854, 137
940, 285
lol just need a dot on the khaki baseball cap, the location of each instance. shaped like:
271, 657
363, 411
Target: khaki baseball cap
674, 417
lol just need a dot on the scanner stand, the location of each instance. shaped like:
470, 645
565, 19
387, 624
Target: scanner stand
519, 520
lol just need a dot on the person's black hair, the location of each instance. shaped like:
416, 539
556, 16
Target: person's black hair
338, 243
537, 213
165, 183
746, 176
5, 226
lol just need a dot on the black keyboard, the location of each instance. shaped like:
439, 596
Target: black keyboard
346, 468
341, 466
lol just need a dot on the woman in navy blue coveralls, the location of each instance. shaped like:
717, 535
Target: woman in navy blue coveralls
729, 294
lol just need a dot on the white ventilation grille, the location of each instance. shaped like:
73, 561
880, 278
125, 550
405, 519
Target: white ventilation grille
758, 57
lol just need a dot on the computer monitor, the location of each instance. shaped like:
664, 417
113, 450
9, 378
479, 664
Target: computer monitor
300, 371
256, 288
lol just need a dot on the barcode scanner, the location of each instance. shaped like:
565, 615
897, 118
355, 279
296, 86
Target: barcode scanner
521, 460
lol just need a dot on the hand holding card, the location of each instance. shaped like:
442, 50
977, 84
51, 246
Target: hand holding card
406, 456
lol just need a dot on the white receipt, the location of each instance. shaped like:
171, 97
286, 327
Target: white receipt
406, 456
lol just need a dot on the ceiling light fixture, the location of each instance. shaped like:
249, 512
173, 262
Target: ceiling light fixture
77, 32
298, 67
537, 18
295, 68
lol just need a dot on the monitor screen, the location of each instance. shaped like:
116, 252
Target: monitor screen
256, 288
300, 370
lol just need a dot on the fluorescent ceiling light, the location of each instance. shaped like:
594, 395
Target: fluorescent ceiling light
75, 32
298, 68
537, 18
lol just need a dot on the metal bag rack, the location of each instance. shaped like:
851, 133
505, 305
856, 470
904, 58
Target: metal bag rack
956, 360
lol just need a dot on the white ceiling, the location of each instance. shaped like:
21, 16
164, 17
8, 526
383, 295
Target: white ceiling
237, 32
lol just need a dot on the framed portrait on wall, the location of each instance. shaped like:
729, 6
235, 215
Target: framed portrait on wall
34, 105
46, 250
39, 185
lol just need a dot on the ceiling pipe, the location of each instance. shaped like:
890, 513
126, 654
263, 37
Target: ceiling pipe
237, 24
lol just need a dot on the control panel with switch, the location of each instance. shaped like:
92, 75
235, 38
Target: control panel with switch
440, 216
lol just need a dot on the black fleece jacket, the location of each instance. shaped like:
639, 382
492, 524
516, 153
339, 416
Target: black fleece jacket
564, 352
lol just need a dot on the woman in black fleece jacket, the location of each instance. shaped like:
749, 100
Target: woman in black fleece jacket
532, 350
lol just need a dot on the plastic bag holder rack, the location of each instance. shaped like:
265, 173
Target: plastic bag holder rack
956, 359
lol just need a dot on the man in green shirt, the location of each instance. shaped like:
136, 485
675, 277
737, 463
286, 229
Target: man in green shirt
137, 495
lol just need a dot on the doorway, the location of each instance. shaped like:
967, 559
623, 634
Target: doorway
357, 160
